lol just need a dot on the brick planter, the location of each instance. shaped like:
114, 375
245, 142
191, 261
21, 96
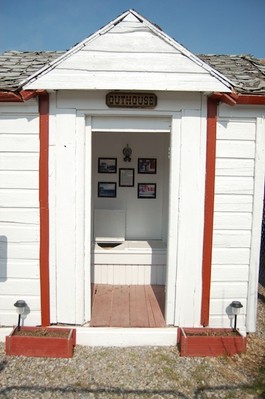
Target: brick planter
41, 342
210, 342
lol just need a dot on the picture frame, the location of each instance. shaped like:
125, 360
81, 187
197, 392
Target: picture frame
147, 190
147, 166
107, 189
126, 177
107, 165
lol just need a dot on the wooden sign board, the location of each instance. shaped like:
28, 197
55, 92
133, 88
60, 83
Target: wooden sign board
131, 100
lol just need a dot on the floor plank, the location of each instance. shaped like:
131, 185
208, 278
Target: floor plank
128, 306
120, 307
102, 306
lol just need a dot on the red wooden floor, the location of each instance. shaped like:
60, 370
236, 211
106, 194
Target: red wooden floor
128, 306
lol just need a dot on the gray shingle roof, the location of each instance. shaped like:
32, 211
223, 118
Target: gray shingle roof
16, 66
247, 73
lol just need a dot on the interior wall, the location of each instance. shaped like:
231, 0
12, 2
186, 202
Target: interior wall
145, 218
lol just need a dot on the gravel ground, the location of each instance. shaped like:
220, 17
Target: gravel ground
139, 373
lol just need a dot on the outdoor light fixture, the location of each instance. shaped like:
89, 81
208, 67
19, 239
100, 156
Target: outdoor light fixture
20, 306
236, 306
127, 152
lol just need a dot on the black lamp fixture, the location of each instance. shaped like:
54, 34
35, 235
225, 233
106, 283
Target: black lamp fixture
20, 306
236, 307
127, 152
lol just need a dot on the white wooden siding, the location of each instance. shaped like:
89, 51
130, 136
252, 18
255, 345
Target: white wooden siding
129, 56
233, 217
19, 211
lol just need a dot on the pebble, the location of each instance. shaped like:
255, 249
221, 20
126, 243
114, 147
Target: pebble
146, 372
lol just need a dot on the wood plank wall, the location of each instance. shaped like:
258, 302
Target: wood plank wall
19, 211
234, 190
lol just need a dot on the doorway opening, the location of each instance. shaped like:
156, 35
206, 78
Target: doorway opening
129, 233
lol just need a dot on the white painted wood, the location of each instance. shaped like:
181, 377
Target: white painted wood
22, 143
19, 124
234, 185
231, 272
234, 167
121, 257
14, 198
95, 102
240, 173
19, 233
28, 107
9, 318
130, 124
33, 303
19, 210
191, 213
236, 129
128, 274
231, 290
83, 213
130, 62
18, 268
15, 215
232, 221
21, 288
98, 69
66, 216
256, 225
228, 256
231, 149
226, 322
19, 179
126, 337
83, 80
231, 238
173, 215
52, 209
219, 308
19, 161
233, 203
22, 251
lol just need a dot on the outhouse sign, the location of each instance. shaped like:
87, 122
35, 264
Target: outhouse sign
131, 100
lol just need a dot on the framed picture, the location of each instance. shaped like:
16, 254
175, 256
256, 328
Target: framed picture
126, 177
147, 190
107, 189
107, 165
147, 165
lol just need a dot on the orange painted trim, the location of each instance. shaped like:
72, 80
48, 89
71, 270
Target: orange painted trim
18, 97
249, 99
208, 209
44, 208
243, 99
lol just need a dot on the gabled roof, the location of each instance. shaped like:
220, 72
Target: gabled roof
246, 73
17, 66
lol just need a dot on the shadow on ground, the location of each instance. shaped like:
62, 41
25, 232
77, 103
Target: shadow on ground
115, 392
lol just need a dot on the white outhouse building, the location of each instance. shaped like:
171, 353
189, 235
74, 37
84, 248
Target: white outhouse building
131, 186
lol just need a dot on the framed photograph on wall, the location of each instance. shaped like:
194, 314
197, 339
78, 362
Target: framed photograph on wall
147, 165
126, 177
107, 189
107, 165
147, 190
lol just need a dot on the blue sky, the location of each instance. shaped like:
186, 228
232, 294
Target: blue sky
202, 26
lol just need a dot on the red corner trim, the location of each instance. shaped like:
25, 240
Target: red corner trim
18, 97
44, 208
234, 98
208, 209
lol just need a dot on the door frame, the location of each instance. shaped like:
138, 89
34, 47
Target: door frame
84, 200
